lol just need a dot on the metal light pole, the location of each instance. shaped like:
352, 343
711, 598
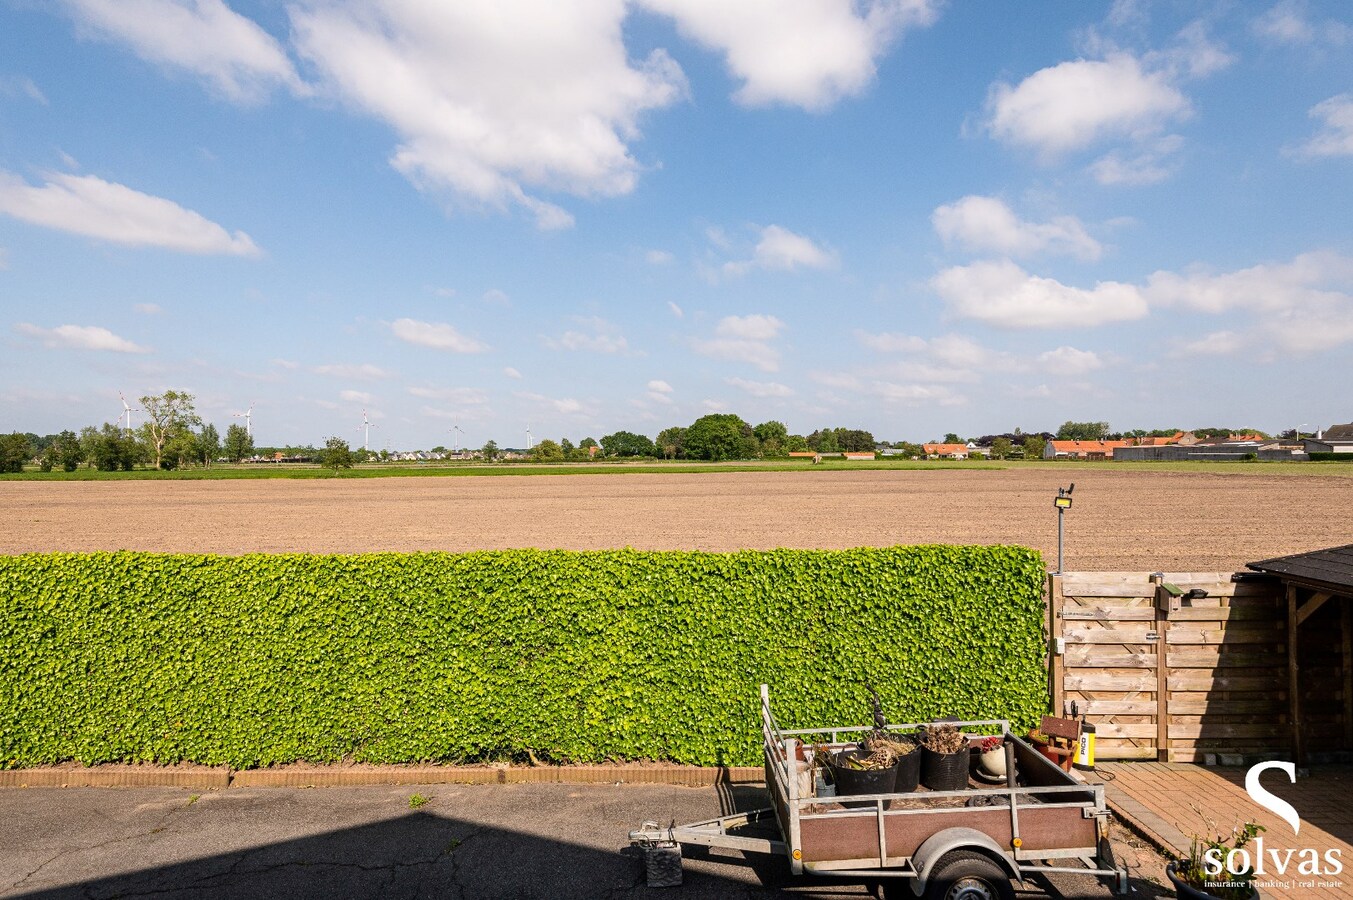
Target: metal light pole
1063, 502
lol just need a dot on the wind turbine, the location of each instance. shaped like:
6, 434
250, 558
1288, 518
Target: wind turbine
248, 420
366, 427
127, 413
528, 437
456, 428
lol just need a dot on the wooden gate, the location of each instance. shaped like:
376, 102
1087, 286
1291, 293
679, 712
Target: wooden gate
1166, 676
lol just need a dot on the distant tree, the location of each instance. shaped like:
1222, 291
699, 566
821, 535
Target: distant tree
490, 451
671, 442
109, 448
208, 445
167, 415
853, 440
796, 443
587, 443
823, 441
62, 450
547, 451
952, 438
238, 443
335, 455
1033, 446
439, 450
15, 450
771, 431
567, 447
1001, 448
909, 450
627, 443
720, 436
1083, 431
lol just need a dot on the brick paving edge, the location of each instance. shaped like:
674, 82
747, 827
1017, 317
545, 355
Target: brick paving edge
218, 778
1137, 818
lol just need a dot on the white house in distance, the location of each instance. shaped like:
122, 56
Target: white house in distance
1338, 439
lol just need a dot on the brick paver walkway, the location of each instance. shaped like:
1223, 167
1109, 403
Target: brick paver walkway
1160, 799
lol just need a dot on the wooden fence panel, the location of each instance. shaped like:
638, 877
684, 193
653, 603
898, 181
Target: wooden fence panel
1209, 676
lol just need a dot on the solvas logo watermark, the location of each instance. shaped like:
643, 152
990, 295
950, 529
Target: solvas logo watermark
1286, 866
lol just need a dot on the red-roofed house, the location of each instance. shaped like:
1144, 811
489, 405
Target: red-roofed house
945, 451
1081, 449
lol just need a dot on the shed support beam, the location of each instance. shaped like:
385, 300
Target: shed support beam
1293, 679
1310, 606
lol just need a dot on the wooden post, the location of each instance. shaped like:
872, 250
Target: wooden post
1346, 617
1056, 661
1162, 626
1293, 679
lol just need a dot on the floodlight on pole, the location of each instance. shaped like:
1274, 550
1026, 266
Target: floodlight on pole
1062, 502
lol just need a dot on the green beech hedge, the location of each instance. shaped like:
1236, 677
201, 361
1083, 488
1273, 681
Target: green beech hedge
584, 657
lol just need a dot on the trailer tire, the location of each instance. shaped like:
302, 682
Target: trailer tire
968, 875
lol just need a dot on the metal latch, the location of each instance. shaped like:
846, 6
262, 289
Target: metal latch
1153, 635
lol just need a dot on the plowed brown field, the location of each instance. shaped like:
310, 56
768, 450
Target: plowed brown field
1121, 520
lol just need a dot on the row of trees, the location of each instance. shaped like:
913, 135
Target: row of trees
172, 435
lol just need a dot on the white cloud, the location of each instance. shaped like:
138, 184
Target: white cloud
1288, 23
1335, 137
890, 342
1302, 305
362, 372
752, 328
806, 53
1073, 105
354, 396
604, 338
1151, 162
511, 372
148, 309
1218, 343
1070, 361
80, 337
988, 224
676, 310
466, 396
496, 297
782, 250
1004, 295
437, 335
565, 405
494, 103
285, 363
915, 394
15, 87
205, 37
744, 339
658, 258
761, 388
659, 387
84, 204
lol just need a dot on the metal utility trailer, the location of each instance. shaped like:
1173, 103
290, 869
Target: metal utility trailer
945, 844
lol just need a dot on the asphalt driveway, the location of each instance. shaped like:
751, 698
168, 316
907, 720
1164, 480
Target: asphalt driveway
555, 841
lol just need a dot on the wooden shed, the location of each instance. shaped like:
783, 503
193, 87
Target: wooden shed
1319, 593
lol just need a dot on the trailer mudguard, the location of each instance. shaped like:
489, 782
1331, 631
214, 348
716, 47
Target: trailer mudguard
933, 849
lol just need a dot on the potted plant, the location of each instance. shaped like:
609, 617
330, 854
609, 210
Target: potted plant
1203, 874
1056, 755
991, 759
945, 756
864, 771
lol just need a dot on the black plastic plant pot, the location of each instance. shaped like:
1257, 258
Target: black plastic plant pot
945, 771
860, 781
909, 772
1185, 890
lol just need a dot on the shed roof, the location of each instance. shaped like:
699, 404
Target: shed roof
1332, 568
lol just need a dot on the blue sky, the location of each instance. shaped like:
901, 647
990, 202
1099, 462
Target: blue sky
907, 216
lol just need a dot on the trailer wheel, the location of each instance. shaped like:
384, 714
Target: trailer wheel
968, 875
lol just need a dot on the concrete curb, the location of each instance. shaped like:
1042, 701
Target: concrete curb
1147, 825
208, 778
200, 777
